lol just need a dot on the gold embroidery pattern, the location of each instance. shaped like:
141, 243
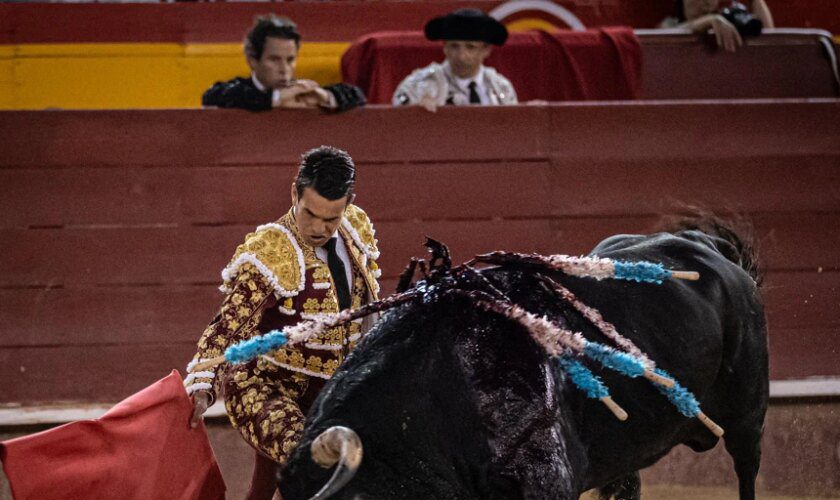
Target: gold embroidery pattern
364, 236
325, 363
276, 251
309, 258
361, 223
238, 318
321, 274
266, 412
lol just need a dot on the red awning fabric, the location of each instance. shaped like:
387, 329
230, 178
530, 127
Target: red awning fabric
597, 64
142, 448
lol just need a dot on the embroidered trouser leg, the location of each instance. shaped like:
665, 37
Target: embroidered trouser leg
264, 405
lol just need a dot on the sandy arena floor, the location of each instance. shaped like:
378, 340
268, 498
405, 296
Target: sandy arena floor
664, 492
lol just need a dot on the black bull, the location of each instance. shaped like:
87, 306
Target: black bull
453, 402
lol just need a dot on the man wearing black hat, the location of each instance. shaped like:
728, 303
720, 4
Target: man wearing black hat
462, 79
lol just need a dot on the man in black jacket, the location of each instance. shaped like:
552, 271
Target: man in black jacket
271, 49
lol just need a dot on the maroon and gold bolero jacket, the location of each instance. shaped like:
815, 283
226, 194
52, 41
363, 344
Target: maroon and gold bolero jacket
274, 280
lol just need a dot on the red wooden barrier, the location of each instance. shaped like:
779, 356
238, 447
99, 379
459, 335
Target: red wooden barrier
780, 63
114, 225
227, 22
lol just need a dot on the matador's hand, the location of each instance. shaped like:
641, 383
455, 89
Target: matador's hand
201, 400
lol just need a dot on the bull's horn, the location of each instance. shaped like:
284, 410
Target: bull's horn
336, 444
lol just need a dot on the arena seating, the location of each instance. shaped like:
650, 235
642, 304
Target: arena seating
115, 224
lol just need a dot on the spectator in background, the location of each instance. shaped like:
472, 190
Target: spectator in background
700, 16
462, 79
271, 50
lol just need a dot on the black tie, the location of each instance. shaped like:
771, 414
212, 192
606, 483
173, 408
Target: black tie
474, 99
338, 272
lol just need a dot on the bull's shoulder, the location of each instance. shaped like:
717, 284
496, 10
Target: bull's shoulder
714, 258
616, 243
657, 246
715, 243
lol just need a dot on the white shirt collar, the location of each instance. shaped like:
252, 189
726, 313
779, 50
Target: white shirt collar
464, 83
341, 250
258, 83
275, 93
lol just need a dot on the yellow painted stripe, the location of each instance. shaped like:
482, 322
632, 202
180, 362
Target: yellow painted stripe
97, 49
530, 24
141, 75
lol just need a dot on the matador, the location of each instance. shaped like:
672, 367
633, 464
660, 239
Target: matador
319, 258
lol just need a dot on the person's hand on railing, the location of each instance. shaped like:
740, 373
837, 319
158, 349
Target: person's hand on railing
429, 103
726, 34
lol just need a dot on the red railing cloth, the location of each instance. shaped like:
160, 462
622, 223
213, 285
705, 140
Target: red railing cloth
597, 64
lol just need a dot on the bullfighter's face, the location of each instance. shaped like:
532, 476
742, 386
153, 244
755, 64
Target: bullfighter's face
465, 57
276, 67
317, 217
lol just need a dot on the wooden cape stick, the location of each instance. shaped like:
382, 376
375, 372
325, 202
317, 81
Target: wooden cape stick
686, 275
210, 363
710, 424
614, 408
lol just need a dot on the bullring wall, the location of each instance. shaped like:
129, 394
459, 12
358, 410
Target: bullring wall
114, 225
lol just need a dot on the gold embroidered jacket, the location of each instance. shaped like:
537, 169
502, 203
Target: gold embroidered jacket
274, 280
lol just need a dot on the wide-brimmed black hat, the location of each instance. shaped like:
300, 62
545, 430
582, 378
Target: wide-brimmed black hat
467, 24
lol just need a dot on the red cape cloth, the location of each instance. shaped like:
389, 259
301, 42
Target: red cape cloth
597, 64
142, 448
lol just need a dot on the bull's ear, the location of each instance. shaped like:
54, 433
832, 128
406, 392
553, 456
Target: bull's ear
407, 276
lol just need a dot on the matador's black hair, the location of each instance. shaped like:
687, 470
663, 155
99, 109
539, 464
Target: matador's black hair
330, 171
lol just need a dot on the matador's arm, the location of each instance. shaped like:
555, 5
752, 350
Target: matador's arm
240, 314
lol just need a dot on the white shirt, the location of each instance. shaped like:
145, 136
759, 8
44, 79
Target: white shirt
341, 250
464, 84
275, 94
